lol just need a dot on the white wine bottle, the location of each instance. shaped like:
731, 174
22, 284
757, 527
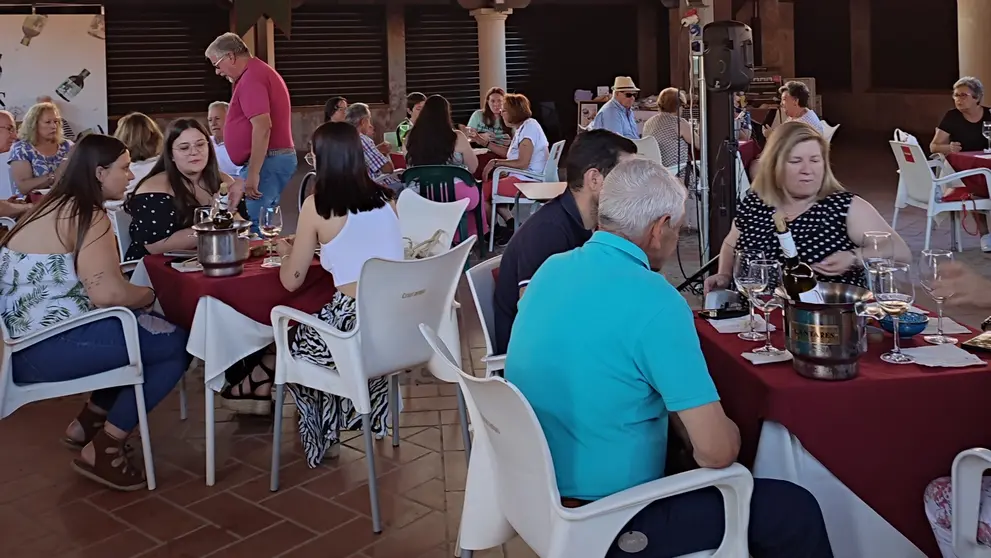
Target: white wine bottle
798, 278
222, 217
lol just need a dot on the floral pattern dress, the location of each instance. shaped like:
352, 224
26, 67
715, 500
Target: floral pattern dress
41, 164
39, 291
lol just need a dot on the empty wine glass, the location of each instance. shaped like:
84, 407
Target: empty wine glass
929, 275
203, 214
986, 130
767, 272
877, 248
270, 225
746, 282
894, 292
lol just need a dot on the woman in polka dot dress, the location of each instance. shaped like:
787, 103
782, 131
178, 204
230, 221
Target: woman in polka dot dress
827, 222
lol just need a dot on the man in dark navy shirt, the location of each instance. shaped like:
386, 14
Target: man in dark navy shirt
566, 222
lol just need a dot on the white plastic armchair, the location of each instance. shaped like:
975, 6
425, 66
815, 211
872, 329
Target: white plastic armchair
14, 396
120, 220
966, 476
481, 282
549, 174
526, 494
7, 222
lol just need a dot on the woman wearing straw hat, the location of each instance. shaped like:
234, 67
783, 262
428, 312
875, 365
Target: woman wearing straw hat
617, 115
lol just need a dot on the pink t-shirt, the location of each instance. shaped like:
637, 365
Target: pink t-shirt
259, 90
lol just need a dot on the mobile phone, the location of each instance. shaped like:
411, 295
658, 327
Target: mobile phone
723, 313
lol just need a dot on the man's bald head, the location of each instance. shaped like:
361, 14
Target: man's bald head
8, 131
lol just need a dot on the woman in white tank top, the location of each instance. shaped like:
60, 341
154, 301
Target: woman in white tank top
350, 219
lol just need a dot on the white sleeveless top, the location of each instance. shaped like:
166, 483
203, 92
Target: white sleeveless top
366, 235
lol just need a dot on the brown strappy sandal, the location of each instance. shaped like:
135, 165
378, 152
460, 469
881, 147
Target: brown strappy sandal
112, 467
91, 423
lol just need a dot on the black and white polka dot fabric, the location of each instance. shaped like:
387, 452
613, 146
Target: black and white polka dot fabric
153, 218
819, 232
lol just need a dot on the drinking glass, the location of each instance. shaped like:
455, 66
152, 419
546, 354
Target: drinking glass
986, 130
894, 292
203, 214
743, 276
930, 264
767, 272
270, 225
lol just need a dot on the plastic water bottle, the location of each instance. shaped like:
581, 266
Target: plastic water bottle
404, 129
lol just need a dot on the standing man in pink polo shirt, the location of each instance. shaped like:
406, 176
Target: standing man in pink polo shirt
258, 131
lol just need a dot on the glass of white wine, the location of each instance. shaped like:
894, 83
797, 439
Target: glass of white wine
986, 130
929, 276
894, 291
270, 226
746, 281
767, 272
877, 248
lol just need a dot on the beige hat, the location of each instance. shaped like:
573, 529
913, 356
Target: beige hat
624, 83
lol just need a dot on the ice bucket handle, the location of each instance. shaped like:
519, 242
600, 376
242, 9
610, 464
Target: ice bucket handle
867, 309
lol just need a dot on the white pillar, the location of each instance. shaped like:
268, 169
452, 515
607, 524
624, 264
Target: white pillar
491, 48
974, 42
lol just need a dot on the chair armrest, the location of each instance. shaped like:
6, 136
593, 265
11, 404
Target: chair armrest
963, 174
340, 343
128, 322
966, 476
7, 222
496, 362
529, 174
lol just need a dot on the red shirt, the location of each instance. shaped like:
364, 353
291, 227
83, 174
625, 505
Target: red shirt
259, 90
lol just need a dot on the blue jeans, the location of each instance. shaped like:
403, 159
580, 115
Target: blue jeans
98, 347
276, 172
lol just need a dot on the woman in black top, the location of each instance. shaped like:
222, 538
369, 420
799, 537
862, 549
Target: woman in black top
185, 177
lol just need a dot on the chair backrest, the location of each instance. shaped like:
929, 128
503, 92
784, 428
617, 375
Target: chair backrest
392, 138
742, 180
524, 471
905, 137
914, 171
395, 297
482, 285
647, 146
442, 364
120, 220
553, 162
436, 182
304, 187
7, 188
420, 219
829, 131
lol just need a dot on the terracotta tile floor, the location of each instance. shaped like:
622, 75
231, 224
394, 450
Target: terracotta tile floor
46, 510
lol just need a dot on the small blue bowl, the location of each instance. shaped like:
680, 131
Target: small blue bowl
909, 324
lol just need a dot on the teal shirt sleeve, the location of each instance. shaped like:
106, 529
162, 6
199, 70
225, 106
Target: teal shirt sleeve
671, 360
476, 119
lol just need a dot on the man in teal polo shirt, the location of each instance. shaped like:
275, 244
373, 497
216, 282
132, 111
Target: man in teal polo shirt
604, 349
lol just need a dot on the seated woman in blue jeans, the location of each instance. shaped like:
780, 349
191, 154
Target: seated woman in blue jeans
61, 261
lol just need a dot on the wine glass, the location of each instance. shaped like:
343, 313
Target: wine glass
768, 272
270, 225
202, 215
894, 292
986, 130
929, 275
745, 282
877, 248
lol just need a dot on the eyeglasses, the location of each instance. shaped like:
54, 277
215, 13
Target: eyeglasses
187, 148
961, 95
8, 128
219, 60
630, 95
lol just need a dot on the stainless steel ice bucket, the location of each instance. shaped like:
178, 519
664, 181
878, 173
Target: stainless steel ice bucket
222, 252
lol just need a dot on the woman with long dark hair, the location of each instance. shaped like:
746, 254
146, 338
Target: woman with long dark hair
185, 177
434, 141
349, 220
60, 261
486, 128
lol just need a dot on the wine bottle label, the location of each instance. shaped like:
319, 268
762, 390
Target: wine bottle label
788, 245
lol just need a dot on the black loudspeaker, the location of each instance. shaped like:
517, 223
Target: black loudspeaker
671, 3
728, 55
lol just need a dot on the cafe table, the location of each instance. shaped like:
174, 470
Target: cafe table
865, 447
976, 185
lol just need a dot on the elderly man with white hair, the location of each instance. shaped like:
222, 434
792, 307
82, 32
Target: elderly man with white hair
380, 168
258, 129
216, 117
605, 350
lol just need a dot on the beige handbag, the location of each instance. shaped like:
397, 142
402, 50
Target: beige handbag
421, 250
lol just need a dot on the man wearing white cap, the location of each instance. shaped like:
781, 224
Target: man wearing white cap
617, 115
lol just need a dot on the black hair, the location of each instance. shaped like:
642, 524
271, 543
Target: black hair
595, 149
798, 90
342, 183
331, 107
414, 99
432, 140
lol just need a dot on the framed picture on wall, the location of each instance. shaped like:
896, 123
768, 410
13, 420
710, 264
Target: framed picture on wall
587, 112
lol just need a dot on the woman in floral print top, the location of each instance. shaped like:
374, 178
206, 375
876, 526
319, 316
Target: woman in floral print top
37, 157
60, 261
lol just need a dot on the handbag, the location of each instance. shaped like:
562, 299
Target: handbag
421, 250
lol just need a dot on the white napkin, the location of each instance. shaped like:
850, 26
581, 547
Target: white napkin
739, 325
765, 358
943, 356
187, 267
950, 327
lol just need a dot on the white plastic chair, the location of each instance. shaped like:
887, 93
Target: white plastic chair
526, 493
7, 222
828, 131
482, 285
936, 164
303, 186
394, 298
549, 174
13, 396
965, 501
918, 187
420, 219
446, 368
648, 147
120, 220
7, 188
742, 180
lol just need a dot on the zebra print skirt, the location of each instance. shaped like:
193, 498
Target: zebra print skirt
322, 416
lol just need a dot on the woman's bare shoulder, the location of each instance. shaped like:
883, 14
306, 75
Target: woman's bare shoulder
155, 184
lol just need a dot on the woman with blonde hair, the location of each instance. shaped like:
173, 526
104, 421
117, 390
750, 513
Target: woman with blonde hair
673, 133
144, 140
827, 222
38, 155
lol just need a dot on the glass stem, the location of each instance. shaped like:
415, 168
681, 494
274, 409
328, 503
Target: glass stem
939, 318
767, 331
751, 317
270, 244
894, 323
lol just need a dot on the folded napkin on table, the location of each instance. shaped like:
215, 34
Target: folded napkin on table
765, 358
943, 356
949, 327
739, 325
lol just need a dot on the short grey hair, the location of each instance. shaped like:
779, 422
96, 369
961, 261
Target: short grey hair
972, 83
219, 104
357, 112
636, 194
228, 43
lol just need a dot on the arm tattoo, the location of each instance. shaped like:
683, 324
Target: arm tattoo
93, 281
296, 275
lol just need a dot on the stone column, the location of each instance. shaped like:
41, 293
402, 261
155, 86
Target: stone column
491, 49
973, 21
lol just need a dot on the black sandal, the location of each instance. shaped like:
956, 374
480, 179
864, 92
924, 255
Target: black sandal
249, 403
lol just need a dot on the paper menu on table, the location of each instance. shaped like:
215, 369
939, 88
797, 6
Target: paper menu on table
943, 356
950, 327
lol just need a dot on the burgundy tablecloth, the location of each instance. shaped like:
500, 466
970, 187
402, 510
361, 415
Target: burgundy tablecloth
976, 185
399, 162
749, 150
885, 434
253, 293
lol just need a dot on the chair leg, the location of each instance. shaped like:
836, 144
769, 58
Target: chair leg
211, 442
183, 408
465, 433
894, 219
373, 486
958, 230
394, 408
280, 395
929, 230
139, 396
492, 228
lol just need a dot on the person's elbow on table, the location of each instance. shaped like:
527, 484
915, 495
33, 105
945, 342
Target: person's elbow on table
714, 437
